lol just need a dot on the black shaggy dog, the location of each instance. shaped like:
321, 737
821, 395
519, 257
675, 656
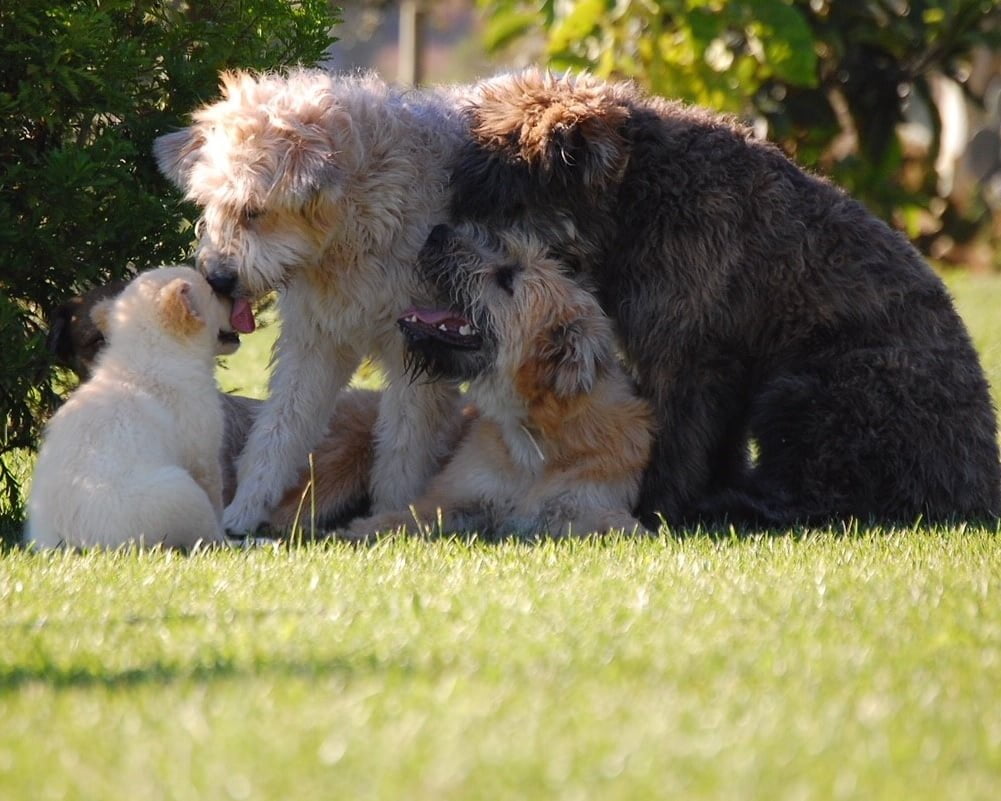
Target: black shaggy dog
755, 304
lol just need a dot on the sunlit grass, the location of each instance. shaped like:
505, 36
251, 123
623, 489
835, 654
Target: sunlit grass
812, 664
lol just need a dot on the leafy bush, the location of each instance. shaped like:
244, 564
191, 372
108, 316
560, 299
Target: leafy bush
832, 78
85, 87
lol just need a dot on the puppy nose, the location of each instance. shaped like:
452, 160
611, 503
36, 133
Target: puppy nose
222, 281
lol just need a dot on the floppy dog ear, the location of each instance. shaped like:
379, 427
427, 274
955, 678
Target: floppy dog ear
573, 355
59, 340
177, 153
569, 128
177, 305
308, 168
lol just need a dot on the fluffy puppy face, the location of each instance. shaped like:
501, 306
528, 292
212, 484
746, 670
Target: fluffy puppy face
509, 313
78, 329
551, 144
176, 301
266, 164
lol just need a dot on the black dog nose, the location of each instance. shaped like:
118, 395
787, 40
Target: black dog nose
222, 281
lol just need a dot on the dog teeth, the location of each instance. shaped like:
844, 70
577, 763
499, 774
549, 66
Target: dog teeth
465, 330
442, 327
412, 318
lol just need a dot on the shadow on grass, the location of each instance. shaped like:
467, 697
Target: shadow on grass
163, 674
13, 678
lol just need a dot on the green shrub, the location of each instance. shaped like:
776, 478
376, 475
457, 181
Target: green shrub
85, 87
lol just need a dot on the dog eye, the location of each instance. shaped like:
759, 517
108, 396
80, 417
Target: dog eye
505, 279
252, 214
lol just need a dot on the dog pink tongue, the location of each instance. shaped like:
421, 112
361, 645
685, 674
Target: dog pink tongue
242, 316
429, 316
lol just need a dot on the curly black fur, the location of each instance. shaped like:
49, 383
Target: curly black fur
755, 303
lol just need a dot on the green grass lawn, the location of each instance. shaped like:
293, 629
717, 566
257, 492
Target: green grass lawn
808, 665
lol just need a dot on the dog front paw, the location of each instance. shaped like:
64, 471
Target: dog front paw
242, 519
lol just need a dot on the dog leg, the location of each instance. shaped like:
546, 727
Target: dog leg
338, 487
698, 445
409, 446
453, 501
288, 425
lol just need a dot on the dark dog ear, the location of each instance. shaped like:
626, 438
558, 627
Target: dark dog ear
591, 148
177, 153
573, 355
569, 129
59, 340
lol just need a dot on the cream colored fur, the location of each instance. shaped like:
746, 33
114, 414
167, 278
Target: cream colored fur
323, 187
133, 456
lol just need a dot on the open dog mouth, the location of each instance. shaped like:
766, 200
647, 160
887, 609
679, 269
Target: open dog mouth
446, 327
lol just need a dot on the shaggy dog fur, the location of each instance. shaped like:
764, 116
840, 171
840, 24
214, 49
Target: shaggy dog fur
325, 188
329, 495
562, 439
755, 303
126, 460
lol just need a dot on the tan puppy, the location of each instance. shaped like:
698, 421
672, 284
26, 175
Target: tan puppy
323, 187
329, 494
562, 439
133, 456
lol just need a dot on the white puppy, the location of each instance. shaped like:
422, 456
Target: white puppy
133, 456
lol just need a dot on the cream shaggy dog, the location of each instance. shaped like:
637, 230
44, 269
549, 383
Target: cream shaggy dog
562, 439
323, 187
133, 456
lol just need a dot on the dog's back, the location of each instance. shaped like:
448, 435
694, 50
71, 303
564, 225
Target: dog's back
110, 472
132, 457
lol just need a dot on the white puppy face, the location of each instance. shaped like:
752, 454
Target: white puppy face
267, 165
176, 301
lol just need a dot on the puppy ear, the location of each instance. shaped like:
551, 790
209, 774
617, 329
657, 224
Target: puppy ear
569, 128
177, 153
177, 306
59, 340
573, 355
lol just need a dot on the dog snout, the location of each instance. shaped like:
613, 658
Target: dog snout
222, 281
219, 274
